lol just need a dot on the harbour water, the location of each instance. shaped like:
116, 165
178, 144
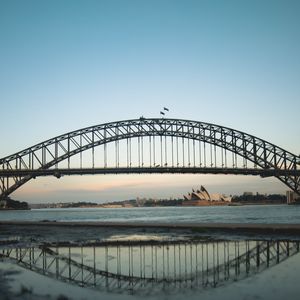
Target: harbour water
264, 214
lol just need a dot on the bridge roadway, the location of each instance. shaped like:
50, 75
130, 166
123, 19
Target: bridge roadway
147, 170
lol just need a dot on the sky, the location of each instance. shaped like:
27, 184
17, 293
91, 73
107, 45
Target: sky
69, 64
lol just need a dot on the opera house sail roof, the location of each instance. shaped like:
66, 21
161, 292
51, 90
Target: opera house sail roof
203, 195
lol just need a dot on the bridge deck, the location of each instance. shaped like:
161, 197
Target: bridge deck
148, 170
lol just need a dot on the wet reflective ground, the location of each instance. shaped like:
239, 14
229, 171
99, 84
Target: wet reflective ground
154, 268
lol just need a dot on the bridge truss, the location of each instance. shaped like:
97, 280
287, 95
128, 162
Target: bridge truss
150, 145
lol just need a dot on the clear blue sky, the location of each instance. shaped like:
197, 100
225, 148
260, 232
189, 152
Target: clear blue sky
65, 65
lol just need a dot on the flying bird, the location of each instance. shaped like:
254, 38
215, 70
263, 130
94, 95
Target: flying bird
165, 108
162, 113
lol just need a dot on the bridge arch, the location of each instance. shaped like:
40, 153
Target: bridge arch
19, 168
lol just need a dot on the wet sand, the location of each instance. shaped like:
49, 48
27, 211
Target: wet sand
228, 227
25, 233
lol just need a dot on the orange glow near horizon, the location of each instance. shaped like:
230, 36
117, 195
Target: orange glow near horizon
121, 187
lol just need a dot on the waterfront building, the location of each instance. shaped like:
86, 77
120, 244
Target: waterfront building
2, 203
292, 197
201, 197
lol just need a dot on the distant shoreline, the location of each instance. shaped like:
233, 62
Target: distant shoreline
159, 206
10, 209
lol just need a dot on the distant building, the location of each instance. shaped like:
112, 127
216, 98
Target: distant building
2, 203
201, 197
140, 201
201, 194
292, 197
247, 194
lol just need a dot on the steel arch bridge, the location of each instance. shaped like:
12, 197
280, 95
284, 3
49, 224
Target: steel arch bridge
150, 145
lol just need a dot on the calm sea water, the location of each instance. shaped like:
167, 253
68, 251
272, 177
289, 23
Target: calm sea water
222, 214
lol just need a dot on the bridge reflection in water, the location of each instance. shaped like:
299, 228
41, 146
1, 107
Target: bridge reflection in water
153, 267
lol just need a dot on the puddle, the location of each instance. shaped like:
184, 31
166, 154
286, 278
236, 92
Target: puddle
153, 268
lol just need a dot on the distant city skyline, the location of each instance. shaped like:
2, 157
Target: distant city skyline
65, 65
